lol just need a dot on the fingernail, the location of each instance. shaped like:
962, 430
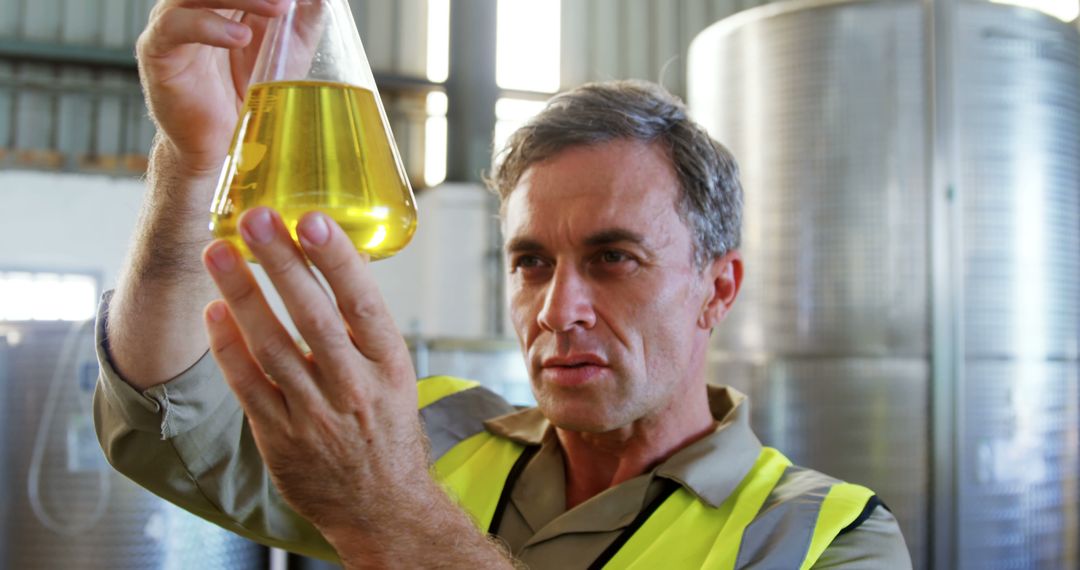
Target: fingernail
236, 31
258, 226
314, 230
222, 257
216, 311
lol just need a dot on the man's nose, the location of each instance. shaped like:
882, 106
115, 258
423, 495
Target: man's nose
568, 302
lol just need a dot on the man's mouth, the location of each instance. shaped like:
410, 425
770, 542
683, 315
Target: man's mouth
573, 361
573, 369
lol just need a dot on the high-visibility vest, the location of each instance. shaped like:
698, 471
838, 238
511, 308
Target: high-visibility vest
677, 531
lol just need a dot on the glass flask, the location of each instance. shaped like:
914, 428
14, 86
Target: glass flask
313, 135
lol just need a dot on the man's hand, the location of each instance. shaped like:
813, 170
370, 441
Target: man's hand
195, 58
335, 426
338, 429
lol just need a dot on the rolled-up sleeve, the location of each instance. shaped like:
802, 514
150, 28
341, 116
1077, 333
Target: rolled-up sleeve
187, 441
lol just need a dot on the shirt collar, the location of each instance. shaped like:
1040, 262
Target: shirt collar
710, 468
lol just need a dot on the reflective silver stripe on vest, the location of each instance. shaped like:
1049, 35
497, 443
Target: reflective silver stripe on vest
459, 416
779, 537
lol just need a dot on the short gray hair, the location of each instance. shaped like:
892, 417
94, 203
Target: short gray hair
710, 201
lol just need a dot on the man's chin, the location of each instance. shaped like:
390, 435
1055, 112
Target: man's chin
579, 416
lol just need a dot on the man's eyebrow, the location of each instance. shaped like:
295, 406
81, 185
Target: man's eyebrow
614, 235
602, 237
522, 244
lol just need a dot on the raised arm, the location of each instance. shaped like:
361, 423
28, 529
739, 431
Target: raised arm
195, 57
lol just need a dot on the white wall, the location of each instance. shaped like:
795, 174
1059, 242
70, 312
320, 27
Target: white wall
66, 222
83, 223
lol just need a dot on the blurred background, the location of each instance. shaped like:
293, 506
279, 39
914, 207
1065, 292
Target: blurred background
911, 313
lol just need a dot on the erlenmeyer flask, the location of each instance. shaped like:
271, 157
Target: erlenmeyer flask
313, 136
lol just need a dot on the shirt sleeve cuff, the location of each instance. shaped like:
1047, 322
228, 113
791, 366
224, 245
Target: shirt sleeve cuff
171, 408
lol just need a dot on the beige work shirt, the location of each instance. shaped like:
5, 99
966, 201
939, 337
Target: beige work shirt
187, 441
543, 534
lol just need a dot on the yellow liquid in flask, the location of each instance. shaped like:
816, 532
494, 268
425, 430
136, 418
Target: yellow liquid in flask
307, 145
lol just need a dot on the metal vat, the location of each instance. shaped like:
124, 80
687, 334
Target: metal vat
64, 506
838, 336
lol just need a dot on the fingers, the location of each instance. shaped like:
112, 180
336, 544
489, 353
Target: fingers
358, 297
264, 7
265, 337
262, 402
175, 23
310, 306
177, 27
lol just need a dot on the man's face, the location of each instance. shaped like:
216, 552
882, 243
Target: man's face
604, 293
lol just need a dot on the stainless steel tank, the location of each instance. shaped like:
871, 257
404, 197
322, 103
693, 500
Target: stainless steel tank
828, 106
63, 505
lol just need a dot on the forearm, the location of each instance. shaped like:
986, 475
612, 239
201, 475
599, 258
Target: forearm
155, 328
426, 530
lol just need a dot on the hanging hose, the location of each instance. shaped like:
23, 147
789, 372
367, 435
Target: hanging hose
70, 355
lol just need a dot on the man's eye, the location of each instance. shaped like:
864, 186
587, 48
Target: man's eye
526, 262
612, 256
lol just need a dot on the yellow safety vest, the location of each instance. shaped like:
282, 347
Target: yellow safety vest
682, 532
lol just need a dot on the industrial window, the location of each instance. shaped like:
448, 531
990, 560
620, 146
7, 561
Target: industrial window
1064, 10
527, 45
438, 40
435, 139
44, 296
528, 50
438, 70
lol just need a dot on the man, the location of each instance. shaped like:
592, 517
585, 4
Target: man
621, 220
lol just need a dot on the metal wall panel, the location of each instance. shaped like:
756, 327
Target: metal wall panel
642, 39
34, 111
79, 22
394, 35
75, 114
40, 20
110, 140
576, 44
410, 49
7, 106
667, 47
692, 19
115, 20
378, 31
639, 34
87, 116
67, 116
605, 55
9, 23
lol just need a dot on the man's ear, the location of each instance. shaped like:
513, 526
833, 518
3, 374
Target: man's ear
725, 275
